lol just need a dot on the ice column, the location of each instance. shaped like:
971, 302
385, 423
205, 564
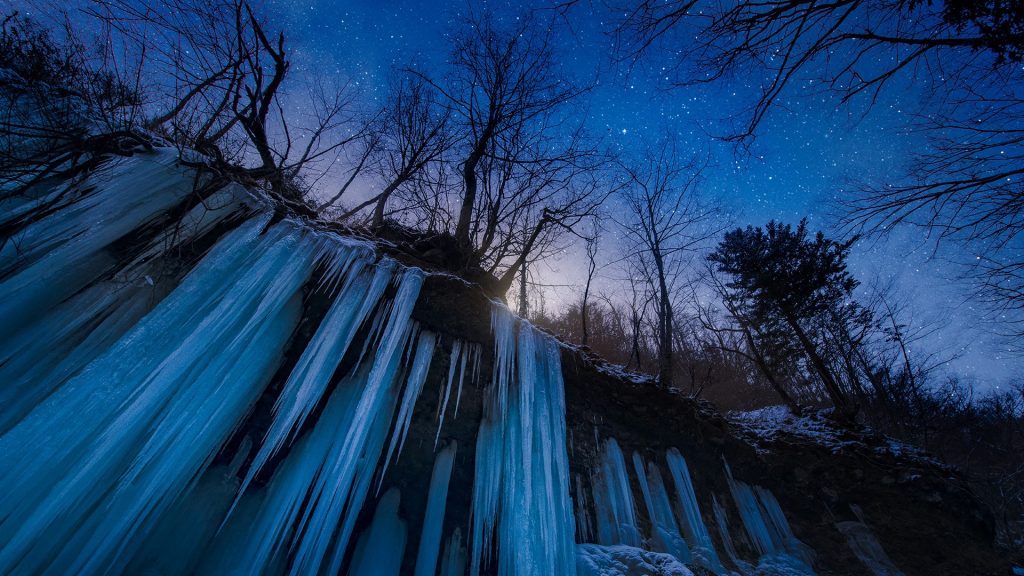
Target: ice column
696, 532
433, 519
665, 536
360, 292
105, 455
613, 499
767, 527
454, 561
380, 549
521, 488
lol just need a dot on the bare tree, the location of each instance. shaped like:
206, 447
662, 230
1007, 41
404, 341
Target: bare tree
667, 222
591, 249
850, 46
963, 184
411, 137
526, 168
216, 78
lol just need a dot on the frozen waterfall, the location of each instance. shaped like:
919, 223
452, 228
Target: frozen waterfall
193, 385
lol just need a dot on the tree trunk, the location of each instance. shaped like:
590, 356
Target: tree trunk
523, 302
470, 183
831, 386
664, 326
766, 370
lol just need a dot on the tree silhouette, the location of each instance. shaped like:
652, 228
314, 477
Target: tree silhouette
783, 279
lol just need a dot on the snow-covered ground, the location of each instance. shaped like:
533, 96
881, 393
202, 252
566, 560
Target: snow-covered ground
622, 560
776, 423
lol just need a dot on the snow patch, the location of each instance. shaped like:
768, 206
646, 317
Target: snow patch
622, 560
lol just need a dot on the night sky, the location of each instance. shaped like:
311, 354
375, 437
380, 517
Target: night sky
807, 152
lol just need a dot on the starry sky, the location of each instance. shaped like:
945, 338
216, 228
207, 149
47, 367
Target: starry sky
809, 151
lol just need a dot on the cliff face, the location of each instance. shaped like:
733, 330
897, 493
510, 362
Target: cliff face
842, 492
195, 382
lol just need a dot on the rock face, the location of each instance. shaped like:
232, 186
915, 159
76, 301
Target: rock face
208, 387
834, 487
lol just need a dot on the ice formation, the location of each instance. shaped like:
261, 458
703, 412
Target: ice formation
768, 529
433, 521
697, 535
613, 500
521, 505
170, 404
130, 363
622, 560
665, 536
866, 546
379, 550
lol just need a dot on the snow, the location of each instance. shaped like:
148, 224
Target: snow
622, 560
764, 426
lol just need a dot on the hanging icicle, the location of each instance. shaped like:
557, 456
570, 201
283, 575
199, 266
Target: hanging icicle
463, 353
521, 488
134, 438
613, 500
433, 519
697, 536
454, 561
665, 536
768, 529
379, 550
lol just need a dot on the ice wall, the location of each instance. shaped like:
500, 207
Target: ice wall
522, 514
169, 402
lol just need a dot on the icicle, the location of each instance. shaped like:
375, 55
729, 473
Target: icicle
665, 536
865, 545
56, 256
134, 439
771, 536
380, 549
521, 488
453, 360
750, 514
584, 527
701, 546
177, 544
413, 387
53, 346
722, 522
780, 528
433, 519
454, 561
359, 295
613, 499
342, 486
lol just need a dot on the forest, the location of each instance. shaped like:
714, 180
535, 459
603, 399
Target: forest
485, 166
